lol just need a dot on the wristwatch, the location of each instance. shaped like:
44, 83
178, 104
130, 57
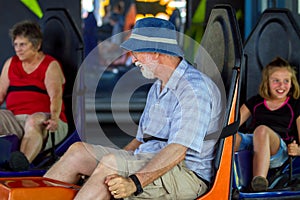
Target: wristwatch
139, 189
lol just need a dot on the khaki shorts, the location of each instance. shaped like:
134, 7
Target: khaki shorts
179, 183
11, 124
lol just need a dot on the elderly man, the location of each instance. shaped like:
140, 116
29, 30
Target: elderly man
169, 158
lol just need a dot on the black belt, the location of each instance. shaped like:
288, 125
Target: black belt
207, 183
146, 139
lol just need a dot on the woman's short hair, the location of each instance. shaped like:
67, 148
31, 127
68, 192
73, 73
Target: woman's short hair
278, 62
28, 29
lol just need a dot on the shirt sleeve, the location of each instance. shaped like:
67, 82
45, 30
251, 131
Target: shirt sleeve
250, 103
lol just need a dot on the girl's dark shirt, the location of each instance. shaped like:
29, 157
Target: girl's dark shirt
281, 120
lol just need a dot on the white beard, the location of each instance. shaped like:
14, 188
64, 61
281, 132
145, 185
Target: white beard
146, 71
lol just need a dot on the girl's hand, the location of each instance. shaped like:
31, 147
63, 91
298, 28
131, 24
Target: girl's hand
293, 149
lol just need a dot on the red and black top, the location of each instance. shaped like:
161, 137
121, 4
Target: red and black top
27, 93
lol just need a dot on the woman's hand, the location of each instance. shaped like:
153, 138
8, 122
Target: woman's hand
51, 125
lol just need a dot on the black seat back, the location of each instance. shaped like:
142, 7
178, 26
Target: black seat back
63, 41
275, 34
222, 41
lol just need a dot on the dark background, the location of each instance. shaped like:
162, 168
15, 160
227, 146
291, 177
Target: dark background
13, 11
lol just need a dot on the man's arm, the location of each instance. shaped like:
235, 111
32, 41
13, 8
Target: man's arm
133, 145
161, 163
54, 81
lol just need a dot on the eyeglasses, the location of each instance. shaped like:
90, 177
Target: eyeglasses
20, 45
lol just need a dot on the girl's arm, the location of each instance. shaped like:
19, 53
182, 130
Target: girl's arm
293, 148
244, 114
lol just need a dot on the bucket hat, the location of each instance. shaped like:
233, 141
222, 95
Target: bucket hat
153, 35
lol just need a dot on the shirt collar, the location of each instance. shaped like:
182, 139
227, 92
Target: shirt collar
177, 74
175, 77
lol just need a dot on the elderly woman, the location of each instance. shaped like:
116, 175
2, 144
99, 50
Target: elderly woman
32, 85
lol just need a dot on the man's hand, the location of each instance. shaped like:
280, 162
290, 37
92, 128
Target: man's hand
293, 149
119, 186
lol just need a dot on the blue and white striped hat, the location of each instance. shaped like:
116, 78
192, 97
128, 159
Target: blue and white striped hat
153, 35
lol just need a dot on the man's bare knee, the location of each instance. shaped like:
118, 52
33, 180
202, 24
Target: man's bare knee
79, 152
76, 148
108, 163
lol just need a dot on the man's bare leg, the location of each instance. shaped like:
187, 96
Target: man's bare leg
95, 188
77, 161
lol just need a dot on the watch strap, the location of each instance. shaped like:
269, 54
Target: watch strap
137, 183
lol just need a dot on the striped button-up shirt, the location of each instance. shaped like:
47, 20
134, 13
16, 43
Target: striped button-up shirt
184, 112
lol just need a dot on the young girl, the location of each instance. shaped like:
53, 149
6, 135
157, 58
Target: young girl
275, 121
